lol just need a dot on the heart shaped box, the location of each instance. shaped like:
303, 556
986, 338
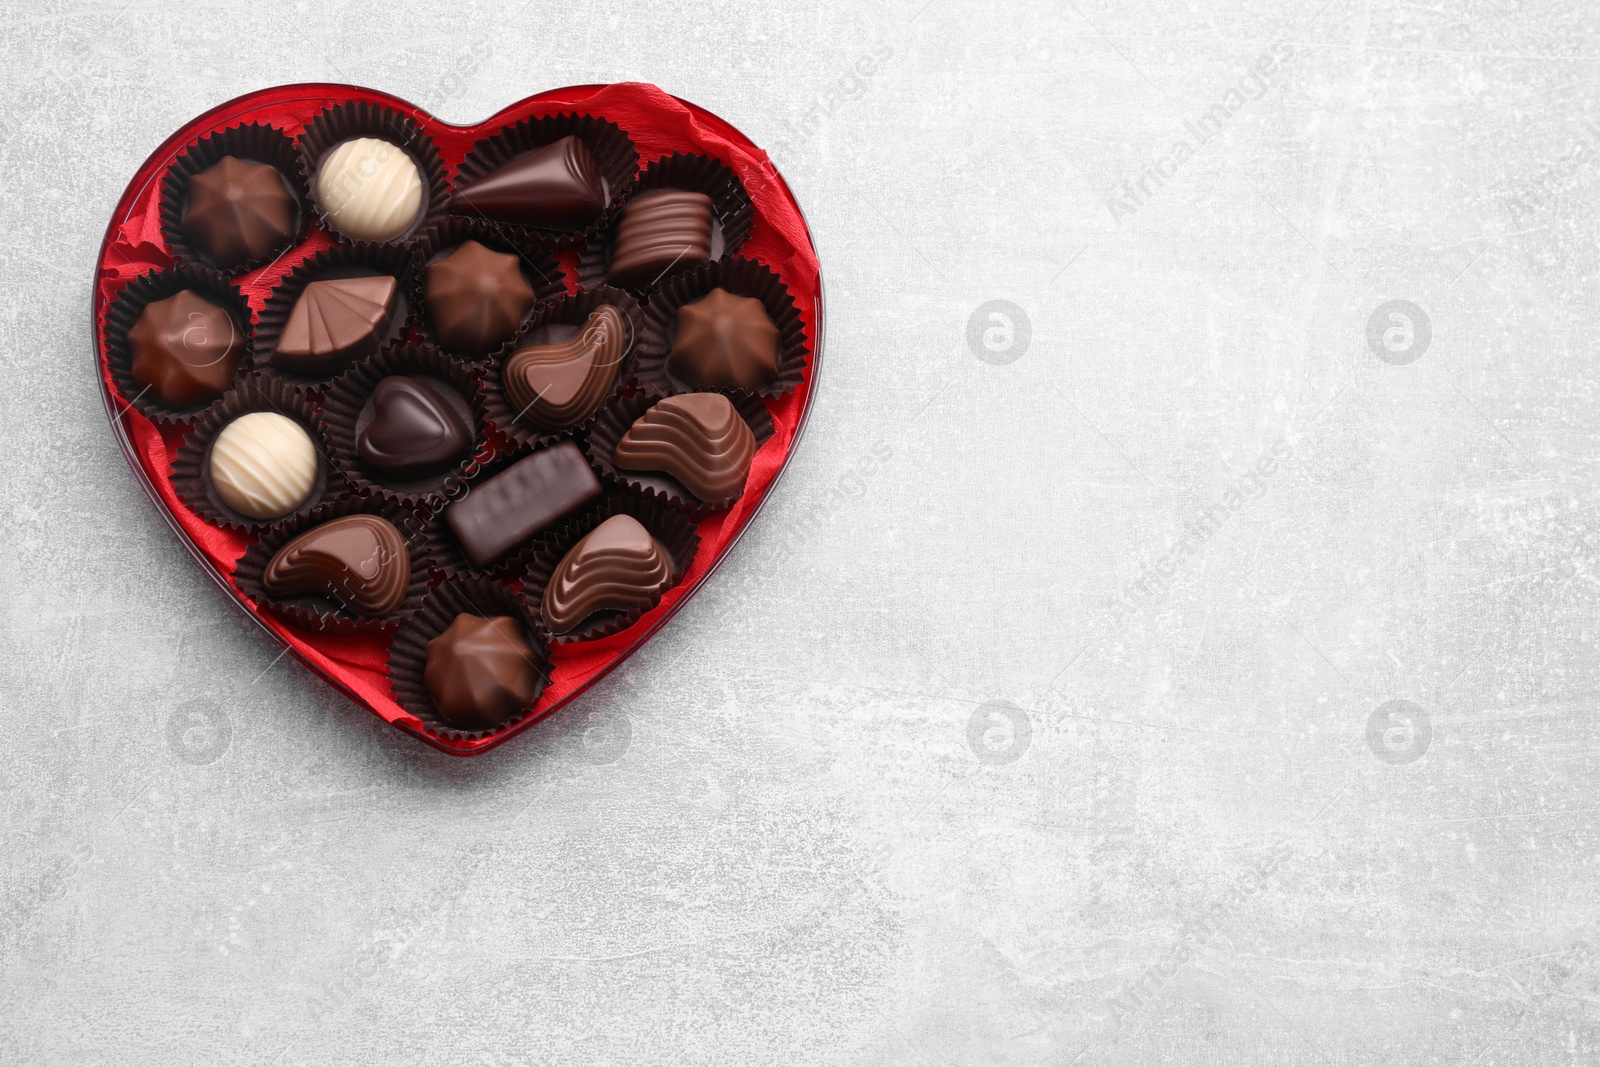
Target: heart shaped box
659, 125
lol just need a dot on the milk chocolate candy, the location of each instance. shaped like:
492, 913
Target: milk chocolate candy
697, 438
359, 561
556, 386
617, 566
725, 342
658, 232
476, 298
186, 350
531, 495
480, 671
557, 186
334, 322
238, 211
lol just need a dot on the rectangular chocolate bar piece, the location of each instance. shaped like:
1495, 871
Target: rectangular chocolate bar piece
531, 495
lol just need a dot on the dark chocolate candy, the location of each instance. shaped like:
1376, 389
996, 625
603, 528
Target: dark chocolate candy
186, 350
481, 672
335, 322
697, 438
617, 566
725, 342
658, 233
414, 432
531, 495
477, 298
556, 386
360, 561
238, 211
557, 186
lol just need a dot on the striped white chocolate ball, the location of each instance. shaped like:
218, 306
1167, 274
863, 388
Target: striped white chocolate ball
370, 189
263, 465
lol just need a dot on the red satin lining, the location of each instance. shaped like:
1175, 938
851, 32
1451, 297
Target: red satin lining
659, 124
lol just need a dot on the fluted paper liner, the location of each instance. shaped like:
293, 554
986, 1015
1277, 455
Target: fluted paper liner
669, 527
123, 313
570, 311
608, 429
408, 654
360, 118
250, 141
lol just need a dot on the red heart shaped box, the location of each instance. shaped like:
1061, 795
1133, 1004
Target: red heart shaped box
659, 125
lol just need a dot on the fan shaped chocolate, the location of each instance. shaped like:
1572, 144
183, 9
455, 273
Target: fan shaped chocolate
697, 438
617, 566
414, 432
556, 186
334, 322
725, 342
238, 211
480, 671
477, 298
658, 233
186, 350
556, 386
360, 561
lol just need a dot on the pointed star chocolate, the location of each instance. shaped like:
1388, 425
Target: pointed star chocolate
239, 211
725, 342
477, 298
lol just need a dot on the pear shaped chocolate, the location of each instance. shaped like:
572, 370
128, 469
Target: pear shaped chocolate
697, 438
556, 386
617, 566
360, 561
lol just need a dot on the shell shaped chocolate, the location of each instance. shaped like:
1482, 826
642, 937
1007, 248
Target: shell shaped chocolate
697, 438
617, 566
335, 321
556, 386
358, 560
659, 233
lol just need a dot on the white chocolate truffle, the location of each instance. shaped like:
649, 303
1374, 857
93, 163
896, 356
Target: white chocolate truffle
370, 189
263, 465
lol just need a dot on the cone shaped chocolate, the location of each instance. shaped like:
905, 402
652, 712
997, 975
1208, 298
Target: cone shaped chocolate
556, 187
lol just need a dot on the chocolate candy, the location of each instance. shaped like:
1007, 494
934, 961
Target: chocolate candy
659, 232
334, 322
556, 386
263, 465
557, 186
480, 672
186, 350
359, 561
697, 438
414, 432
725, 342
617, 566
530, 495
238, 211
370, 189
477, 298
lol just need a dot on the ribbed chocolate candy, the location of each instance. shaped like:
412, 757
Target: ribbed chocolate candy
697, 438
334, 322
359, 561
617, 566
556, 386
659, 233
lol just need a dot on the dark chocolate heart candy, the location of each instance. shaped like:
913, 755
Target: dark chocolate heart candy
414, 433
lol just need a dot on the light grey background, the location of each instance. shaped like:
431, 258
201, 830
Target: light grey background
795, 829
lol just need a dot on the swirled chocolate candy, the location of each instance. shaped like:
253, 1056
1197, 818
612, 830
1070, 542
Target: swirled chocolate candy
557, 186
557, 386
238, 211
617, 566
697, 438
480, 672
185, 350
334, 322
359, 561
725, 342
370, 189
659, 232
263, 465
476, 297
414, 432
532, 494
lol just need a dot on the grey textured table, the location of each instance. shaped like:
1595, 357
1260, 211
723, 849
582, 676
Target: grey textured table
1190, 658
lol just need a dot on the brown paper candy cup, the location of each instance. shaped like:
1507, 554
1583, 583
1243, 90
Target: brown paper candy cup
539, 269
360, 118
608, 429
612, 148
408, 654
671, 528
129, 304
741, 277
254, 143
346, 411
731, 213
324, 614
350, 260
191, 465
565, 311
